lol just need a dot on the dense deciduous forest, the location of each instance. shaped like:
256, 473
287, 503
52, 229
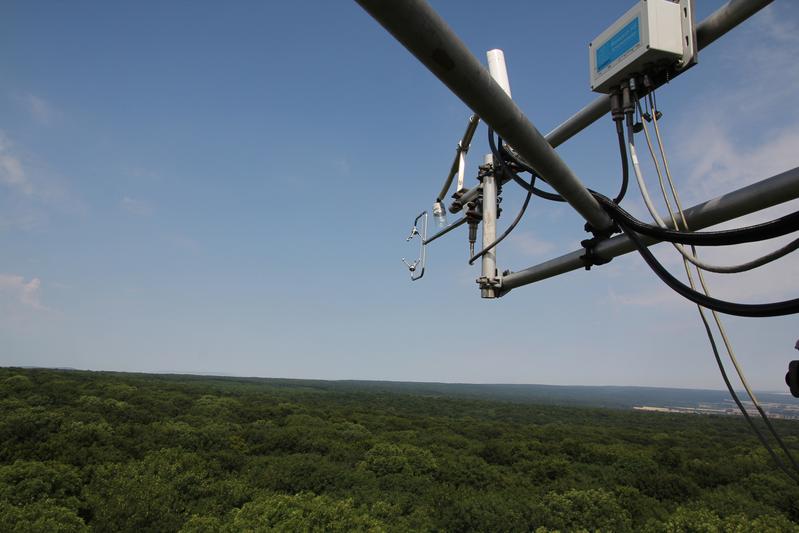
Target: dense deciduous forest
92, 451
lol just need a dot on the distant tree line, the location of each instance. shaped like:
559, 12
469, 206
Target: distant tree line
92, 451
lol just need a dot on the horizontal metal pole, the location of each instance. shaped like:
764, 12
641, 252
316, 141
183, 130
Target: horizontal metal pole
580, 120
425, 34
767, 193
726, 18
717, 24
460, 222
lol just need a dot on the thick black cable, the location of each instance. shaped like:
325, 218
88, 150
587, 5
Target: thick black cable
740, 405
505, 233
758, 232
546, 195
757, 405
499, 152
655, 114
509, 174
787, 307
625, 166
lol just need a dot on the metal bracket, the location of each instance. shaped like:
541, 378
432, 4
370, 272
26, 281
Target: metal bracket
485, 282
421, 261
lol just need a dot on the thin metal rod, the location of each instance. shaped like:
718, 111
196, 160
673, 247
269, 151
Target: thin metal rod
717, 24
761, 195
460, 222
425, 34
463, 147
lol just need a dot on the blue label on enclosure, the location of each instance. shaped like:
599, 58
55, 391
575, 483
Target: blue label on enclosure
625, 40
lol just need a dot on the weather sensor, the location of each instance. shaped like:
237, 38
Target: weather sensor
653, 36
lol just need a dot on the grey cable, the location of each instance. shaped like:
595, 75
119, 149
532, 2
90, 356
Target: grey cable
719, 323
735, 398
692, 257
709, 332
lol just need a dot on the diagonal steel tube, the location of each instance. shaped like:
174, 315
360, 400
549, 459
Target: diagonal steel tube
425, 34
458, 223
761, 195
460, 151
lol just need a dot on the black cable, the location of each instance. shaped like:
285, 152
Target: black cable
652, 105
515, 177
767, 230
630, 126
625, 166
512, 225
787, 307
740, 405
546, 195
760, 410
758, 232
502, 154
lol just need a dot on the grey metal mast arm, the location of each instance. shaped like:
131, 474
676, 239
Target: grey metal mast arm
726, 18
425, 34
761, 195
714, 26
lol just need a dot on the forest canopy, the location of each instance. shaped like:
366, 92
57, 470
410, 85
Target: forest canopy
96, 451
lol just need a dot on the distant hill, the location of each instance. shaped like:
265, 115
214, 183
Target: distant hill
615, 397
594, 396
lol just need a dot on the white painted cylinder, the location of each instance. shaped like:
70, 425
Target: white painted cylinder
497, 68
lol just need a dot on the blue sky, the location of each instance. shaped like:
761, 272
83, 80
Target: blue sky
193, 187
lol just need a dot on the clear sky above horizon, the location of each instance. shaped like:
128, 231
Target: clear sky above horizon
209, 188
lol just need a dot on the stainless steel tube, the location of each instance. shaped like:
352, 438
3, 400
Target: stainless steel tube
767, 193
425, 34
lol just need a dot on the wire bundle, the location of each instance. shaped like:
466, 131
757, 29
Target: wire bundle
704, 299
632, 227
679, 234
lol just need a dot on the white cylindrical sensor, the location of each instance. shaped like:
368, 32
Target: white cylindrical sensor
496, 66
